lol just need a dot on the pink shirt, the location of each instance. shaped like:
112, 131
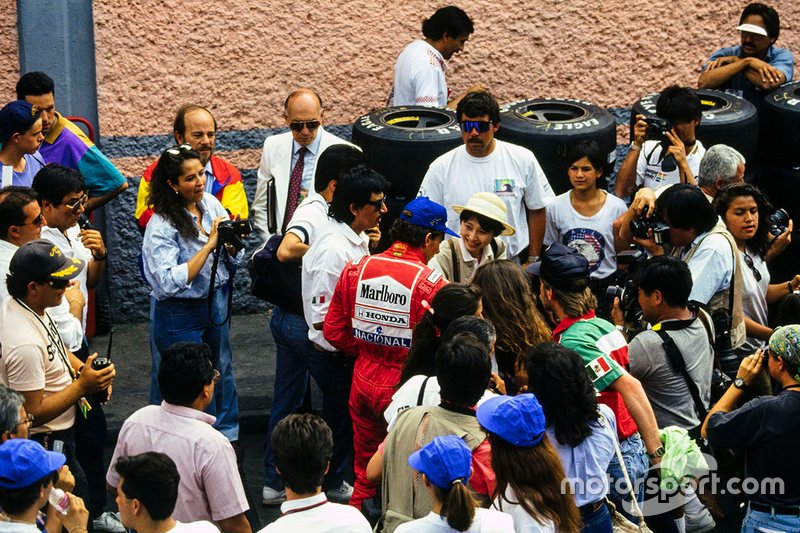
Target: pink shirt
210, 487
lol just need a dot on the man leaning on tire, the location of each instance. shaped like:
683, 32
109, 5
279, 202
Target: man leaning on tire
485, 164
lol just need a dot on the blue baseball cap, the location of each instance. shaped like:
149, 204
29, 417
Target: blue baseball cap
562, 267
518, 420
23, 462
425, 213
16, 117
444, 460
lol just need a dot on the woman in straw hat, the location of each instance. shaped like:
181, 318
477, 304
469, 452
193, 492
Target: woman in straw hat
483, 220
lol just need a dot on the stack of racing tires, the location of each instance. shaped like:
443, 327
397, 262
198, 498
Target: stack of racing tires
780, 173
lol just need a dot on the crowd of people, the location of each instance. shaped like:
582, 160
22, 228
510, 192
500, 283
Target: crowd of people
512, 361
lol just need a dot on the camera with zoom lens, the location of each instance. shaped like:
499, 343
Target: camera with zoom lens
233, 232
657, 128
628, 293
640, 228
728, 360
778, 222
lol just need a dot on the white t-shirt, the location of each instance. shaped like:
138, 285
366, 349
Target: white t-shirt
592, 236
72, 247
310, 217
323, 263
754, 298
318, 515
510, 171
33, 358
485, 521
201, 526
650, 174
523, 522
419, 77
408, 396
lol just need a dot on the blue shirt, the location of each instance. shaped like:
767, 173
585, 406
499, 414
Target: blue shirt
780, 58
33, 164
166, 252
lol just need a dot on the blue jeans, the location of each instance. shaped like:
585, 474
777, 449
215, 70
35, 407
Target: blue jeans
635, 456
296, 359
598, 521
757, 522
175, 320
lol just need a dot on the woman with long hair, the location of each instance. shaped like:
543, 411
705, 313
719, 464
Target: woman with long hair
581, 430
181, 255
509, 303
744, 209
531, 484
445, 465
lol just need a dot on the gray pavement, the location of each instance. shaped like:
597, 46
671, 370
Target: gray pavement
254, 367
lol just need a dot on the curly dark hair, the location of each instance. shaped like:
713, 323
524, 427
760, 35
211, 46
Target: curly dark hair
163, 198
558, 379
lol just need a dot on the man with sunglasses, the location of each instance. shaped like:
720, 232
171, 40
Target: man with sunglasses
194, 125
485, 164
34, 360
63, 195
288, 161
21, 221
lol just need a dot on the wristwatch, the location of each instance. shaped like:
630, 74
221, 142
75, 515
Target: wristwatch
658, 453
739, 383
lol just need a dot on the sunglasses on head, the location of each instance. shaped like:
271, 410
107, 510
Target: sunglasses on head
178, 149
481, 125
298, 125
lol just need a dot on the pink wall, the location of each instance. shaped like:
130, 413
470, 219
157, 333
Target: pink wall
9, 53
154, 55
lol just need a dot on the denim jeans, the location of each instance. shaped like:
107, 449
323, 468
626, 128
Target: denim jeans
598, 521
175, 320
635, 456
296, 359
759, 522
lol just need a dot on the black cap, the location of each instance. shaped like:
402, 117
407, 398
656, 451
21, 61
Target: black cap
563, 268
41, 260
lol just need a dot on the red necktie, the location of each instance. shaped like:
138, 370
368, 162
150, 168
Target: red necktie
295, 180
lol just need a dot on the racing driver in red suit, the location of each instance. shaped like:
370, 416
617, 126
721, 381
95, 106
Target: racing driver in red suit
376, 304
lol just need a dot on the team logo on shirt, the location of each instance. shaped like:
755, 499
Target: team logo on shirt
504, 186
590, 243
597, 368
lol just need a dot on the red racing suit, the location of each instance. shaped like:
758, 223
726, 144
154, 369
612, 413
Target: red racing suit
375, 306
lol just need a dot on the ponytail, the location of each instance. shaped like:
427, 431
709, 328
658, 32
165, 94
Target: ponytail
458, 505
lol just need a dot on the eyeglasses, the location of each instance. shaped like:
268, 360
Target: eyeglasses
59, 284
377, 204
215, 375
481, 125
749, 262
77, 203
178, 149
298, 125
28, 420
38, 221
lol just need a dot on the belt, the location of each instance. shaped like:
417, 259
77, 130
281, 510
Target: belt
772, 509
590, 508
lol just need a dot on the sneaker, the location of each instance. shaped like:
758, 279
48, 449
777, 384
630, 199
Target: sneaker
700, 523
342, 494
110, 522
270, 496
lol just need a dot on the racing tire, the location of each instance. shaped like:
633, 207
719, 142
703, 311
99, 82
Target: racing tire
400, 143
548, 126
780, 125
727, 119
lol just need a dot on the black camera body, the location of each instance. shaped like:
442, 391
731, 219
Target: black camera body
728, 360
234, 231
778, 222
640, 228
657, 128
628, 292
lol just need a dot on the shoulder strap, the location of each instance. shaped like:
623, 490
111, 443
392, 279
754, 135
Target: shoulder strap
456, 263
493, 244
678, 364
421, 394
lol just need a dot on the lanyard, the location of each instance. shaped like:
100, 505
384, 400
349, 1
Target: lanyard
306, 508
54, 339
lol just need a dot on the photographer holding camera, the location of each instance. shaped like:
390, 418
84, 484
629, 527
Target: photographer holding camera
664, 149
183, 254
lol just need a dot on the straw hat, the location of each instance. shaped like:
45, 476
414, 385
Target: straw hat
490, 205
